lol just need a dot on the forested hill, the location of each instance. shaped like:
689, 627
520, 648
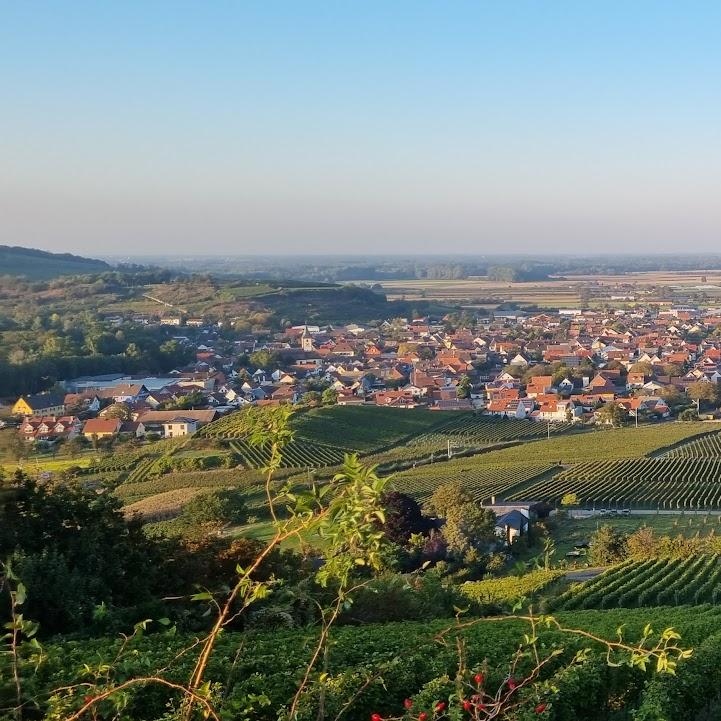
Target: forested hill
40, 264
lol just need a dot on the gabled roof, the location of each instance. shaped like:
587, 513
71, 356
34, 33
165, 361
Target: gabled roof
44, 400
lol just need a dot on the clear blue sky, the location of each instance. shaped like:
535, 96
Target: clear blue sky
356, 127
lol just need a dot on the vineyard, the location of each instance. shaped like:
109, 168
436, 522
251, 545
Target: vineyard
509, 589
401, 652
708, 446
247, 480
473, 430
297, 454
481, 480
350, 428
666, 483
654, 582
597, 445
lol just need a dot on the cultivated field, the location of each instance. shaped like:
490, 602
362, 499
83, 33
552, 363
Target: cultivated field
562, 292
667, 483
654, 582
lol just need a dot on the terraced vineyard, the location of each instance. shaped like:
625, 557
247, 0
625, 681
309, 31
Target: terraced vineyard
654, 582
704, 447
474, 430
481, 480
297, 454
141, 471
670, 483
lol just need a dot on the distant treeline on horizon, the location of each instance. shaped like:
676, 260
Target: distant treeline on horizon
506, 268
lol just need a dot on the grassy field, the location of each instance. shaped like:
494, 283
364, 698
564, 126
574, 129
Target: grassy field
48, 464
574, 530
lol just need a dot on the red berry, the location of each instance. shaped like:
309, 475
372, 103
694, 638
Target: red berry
422, 716
512, 684
467, 706
540, 708
478, 678
408, 703
87, 699
376, 717
440, 706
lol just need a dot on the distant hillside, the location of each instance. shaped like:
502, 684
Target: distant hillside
40, 265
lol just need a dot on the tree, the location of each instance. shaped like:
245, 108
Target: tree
446, 497
702, 391
642, 367
469, 526
672, 396
403, 517
643, 543
613, 414
264, 359
463, 389
608, 546
75, 445
12, 444
74, 549
120, 411
312, 398
329, 397
214, 510
689, 414
570, 499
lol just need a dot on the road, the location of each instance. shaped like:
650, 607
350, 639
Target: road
644, 512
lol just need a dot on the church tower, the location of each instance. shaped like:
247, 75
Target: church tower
306, 340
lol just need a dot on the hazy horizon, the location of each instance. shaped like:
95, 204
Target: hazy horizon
317, 129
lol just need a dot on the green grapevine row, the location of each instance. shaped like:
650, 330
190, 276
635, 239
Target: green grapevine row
482, 481
665, 482
296, 454
659, 582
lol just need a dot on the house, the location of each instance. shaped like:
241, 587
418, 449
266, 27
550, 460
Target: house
49, 428
154, 421
179, 426
518, 408
512, 525
102, 427
133, 428
558, 411
40, 404
127, 392
539, 385
82, 401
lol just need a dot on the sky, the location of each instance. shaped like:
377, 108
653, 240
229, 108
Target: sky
423, 126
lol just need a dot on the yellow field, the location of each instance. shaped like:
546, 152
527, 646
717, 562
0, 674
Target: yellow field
46, 464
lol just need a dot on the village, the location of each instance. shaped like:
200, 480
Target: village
570, 366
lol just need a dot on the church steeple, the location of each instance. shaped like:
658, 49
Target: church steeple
306, 340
